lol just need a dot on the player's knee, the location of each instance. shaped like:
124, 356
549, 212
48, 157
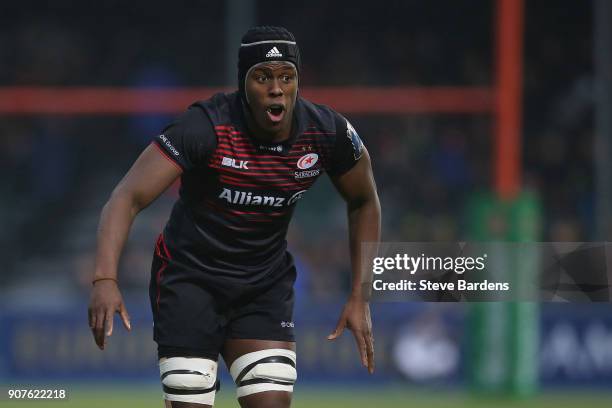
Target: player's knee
264, 370
189, 379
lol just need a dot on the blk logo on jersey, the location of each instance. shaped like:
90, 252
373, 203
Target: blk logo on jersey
237, 164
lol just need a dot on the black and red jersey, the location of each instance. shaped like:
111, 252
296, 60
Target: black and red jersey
238, 193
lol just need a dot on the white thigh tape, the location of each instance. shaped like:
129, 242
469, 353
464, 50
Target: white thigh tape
264, 370
187, 379
255, 388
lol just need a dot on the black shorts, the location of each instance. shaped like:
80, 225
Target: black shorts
194, 314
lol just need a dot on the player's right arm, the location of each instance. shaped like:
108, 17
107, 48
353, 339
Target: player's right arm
150, 176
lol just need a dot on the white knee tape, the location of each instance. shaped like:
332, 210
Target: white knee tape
189, 379
264, 370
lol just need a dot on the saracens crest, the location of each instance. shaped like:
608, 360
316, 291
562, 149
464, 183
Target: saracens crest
305, 163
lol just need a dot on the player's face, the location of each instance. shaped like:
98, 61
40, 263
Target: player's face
271, 90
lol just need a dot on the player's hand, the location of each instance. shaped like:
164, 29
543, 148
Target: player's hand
105, 301
356, 317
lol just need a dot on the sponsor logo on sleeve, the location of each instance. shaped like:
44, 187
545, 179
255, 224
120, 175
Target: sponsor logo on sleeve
167, 143
351, 133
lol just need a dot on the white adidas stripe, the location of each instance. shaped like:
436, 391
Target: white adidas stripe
268, 42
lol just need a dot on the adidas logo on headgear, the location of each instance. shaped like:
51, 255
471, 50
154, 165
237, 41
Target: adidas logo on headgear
274, 52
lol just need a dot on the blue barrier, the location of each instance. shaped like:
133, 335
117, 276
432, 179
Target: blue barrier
416, 342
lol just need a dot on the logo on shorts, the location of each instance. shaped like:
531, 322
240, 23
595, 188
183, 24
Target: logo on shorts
288, 324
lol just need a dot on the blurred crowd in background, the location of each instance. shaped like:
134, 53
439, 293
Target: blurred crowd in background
58, 171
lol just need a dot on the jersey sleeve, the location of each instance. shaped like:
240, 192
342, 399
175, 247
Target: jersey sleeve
348, 148
189, 140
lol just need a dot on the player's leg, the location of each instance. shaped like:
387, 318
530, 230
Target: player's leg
259, 347
188, 382
260, 344
189, 334
264, 371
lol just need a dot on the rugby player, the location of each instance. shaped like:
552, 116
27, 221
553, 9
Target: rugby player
222, 279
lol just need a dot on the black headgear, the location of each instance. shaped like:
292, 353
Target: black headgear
262, 44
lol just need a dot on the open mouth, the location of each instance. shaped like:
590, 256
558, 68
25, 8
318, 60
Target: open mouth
276, 112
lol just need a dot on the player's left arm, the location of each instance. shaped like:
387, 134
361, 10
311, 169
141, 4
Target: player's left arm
358, 189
